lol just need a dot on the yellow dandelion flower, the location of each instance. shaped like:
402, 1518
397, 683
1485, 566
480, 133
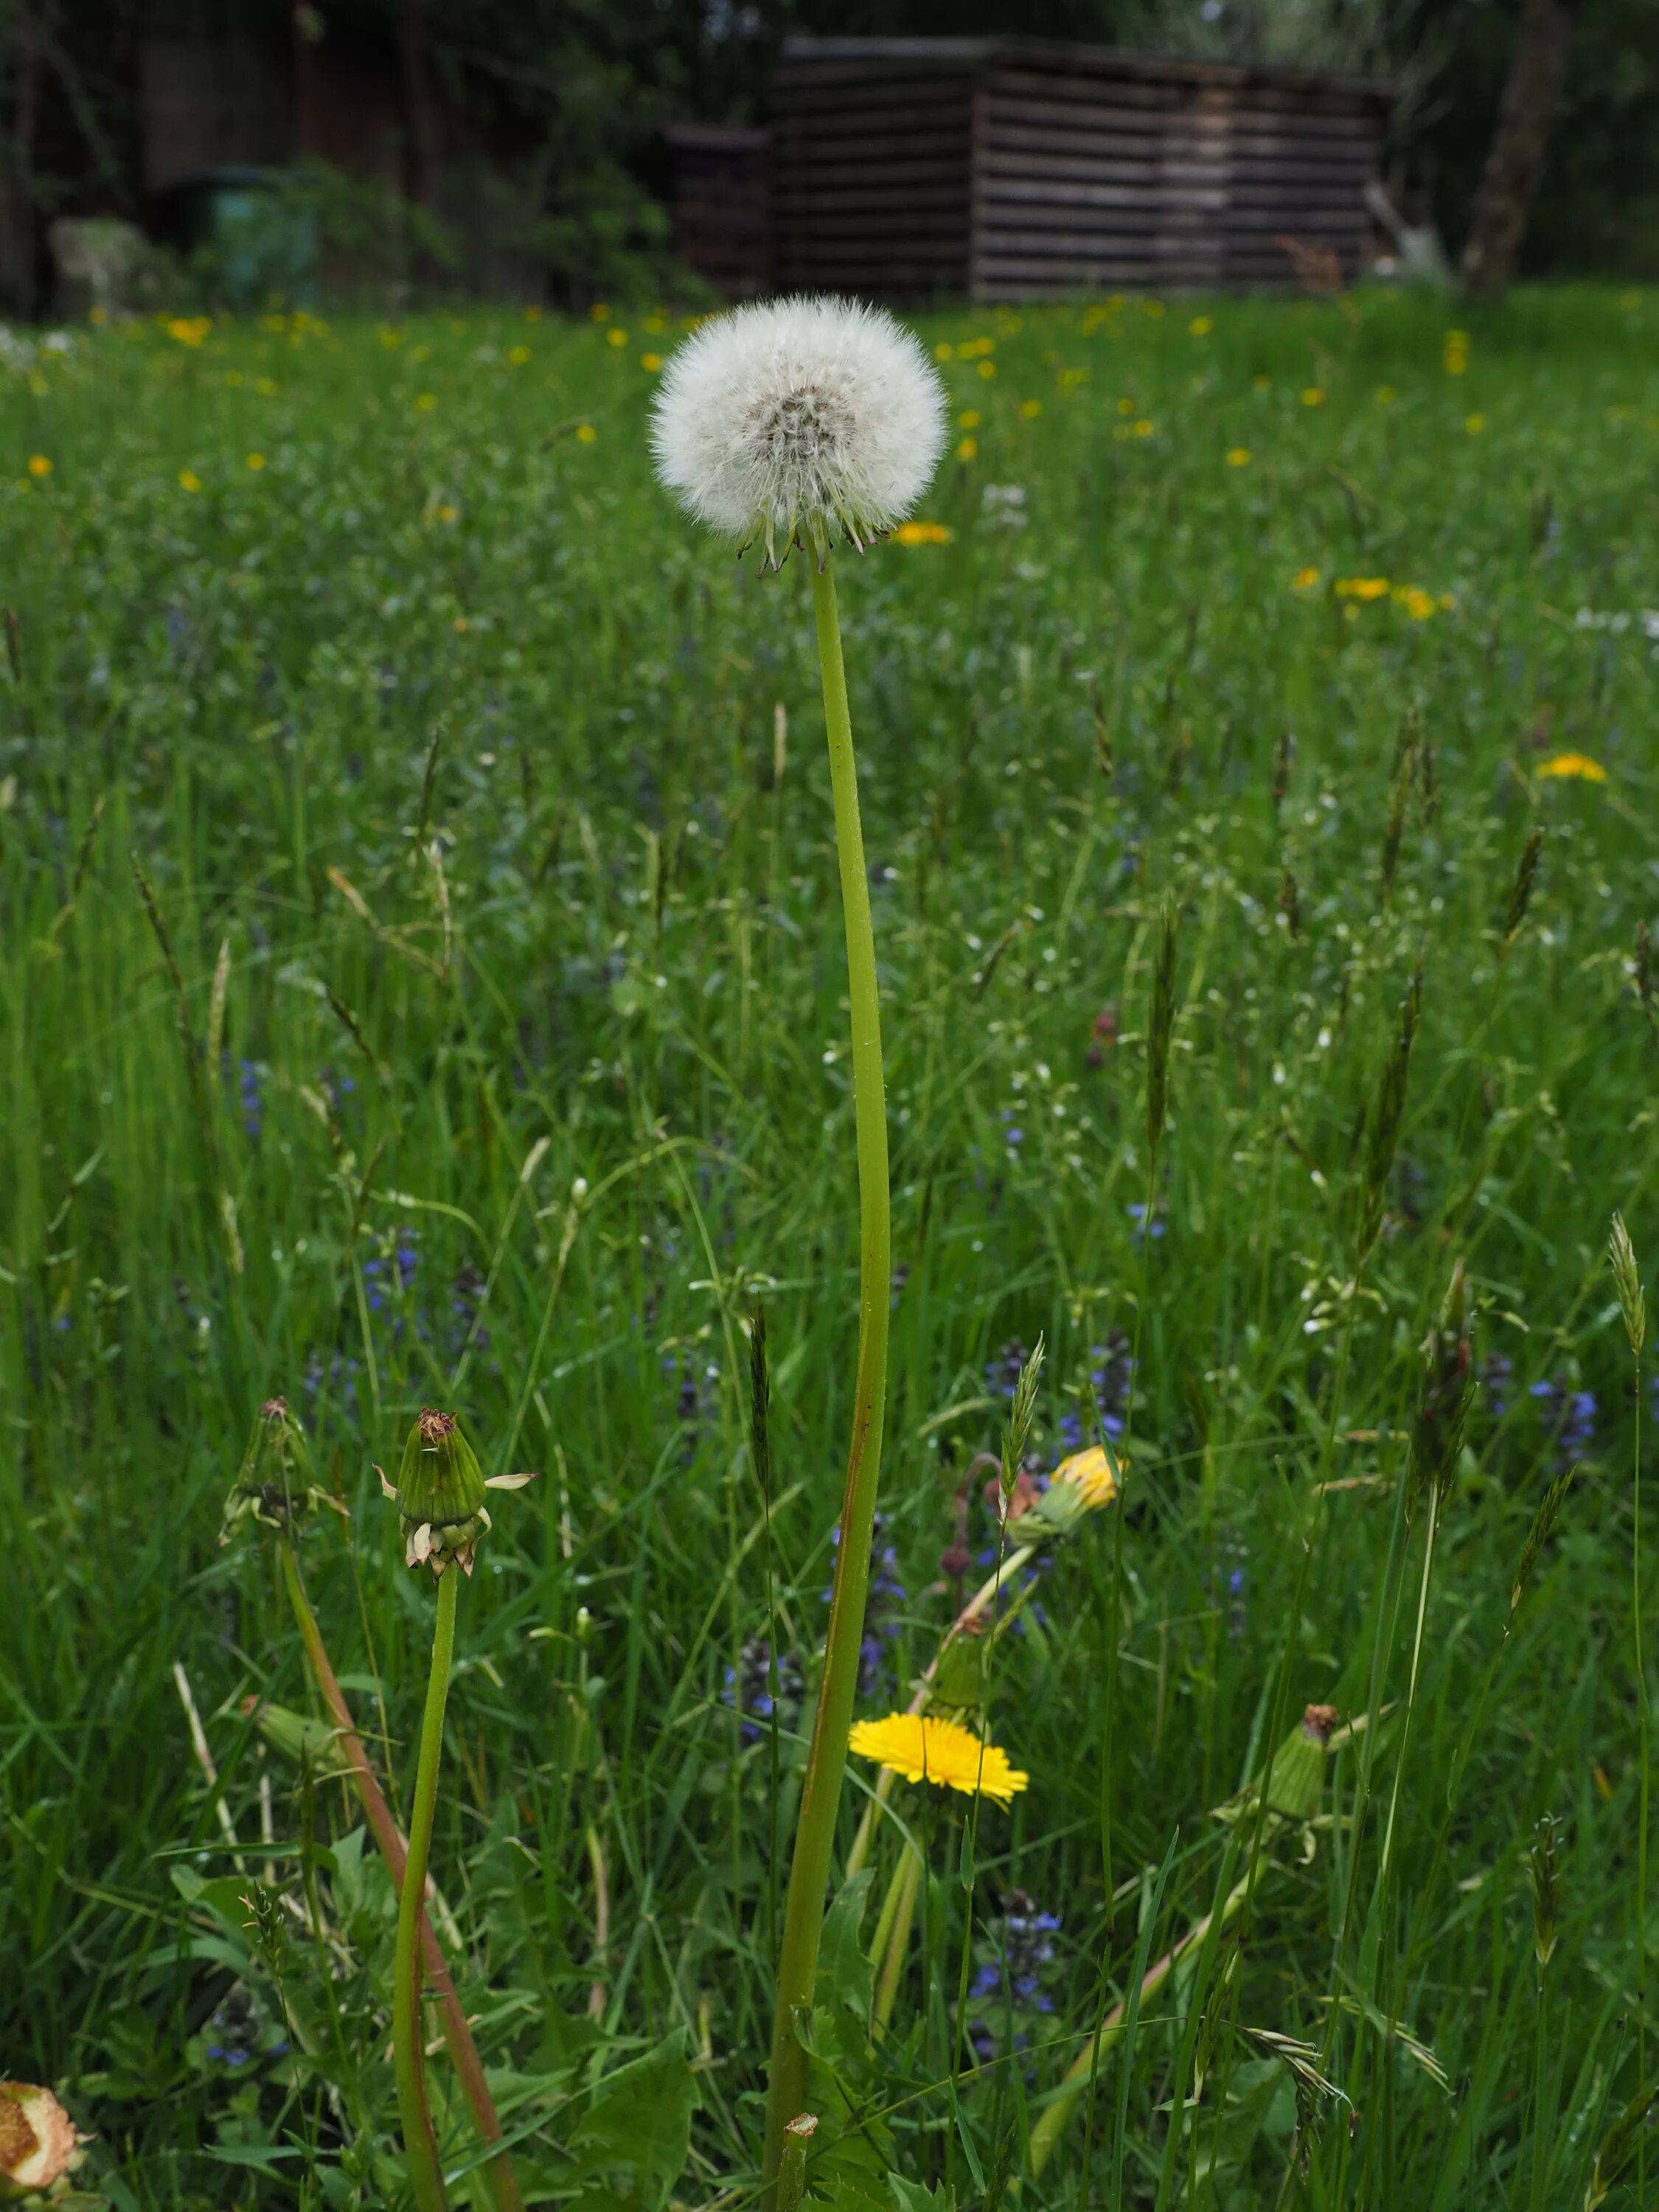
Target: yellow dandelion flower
1455, 352
1030, 408
448, 514
389, 335
461, 625
1305, 578
1418, 604
600, 311
256, 462
40, 465
1262, 383
970, 419
1152, 307
586, 434
532, 314
189, 481
1386, 395
616, 337
1362, 588
968, 449
1200, 326
945, 350
923, 1748
651, 360
1126, 406
1089, 1474
923, 533
1313, 396
1474, 424
518, 356
988, 369
1238, 456
425, 402
265, 386
1575, 764
1144, 428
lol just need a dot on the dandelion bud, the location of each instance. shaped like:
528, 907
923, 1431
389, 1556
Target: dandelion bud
276, 1484
1299, 1769
799, 419
440, 1493
39, 2143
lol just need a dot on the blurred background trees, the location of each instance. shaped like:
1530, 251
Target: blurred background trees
524, 132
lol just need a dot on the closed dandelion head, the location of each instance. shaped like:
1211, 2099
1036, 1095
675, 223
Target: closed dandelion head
277, 1486
440, 1493
795, 420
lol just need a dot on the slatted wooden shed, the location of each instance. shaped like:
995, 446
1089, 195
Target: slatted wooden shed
1024, 168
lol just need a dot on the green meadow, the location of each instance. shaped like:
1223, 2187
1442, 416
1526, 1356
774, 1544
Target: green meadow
423, 984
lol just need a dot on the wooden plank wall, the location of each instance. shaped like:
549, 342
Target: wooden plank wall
1013, 175
872, 178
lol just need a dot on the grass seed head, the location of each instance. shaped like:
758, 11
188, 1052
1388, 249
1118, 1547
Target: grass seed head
1526, 871
1161, 1026
1386, 1116
1618, 2147
1443, 1406
1542, 1529
1621, 1256
1642, 971
1543, 1867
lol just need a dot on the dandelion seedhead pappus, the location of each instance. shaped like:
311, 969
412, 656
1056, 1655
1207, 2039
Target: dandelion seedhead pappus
799, 420
440, 1493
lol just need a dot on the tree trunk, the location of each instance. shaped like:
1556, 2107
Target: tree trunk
1509, 184
419, 116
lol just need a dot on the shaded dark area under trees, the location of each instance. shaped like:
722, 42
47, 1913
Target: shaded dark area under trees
517, 145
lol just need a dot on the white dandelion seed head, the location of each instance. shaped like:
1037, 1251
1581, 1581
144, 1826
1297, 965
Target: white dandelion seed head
803, 415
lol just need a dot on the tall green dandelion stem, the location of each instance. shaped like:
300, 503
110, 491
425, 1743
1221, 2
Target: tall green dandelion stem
814, 1833
420, 2146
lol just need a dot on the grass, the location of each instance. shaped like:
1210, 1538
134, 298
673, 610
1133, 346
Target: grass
530, 1127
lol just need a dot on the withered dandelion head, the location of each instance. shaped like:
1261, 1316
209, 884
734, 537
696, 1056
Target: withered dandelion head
799, 417
925, 1747
38, 2142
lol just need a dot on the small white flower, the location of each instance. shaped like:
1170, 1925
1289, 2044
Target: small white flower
800, 416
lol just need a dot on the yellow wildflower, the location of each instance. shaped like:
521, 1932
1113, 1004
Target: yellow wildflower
586, 434
1030, 408
1262, 383
1126, 406
1362, 588
448, 514
600, 311
265, 386
190, 329
1455, 352
616, 337
256, 462
651, 360
1200, 326
1238, 456
1152, 307
1089, 1473
970, 419
1144, 428
189, 481
1575, 764
945, 350
40, 465
968, 449
924, 1747
1386, 395
425, 402
1418, 604
923, 533
518, 356
1313, 396
1474, 424
1305, 578
988, 369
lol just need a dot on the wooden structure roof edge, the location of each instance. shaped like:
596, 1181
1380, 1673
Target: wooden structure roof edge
974, 56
